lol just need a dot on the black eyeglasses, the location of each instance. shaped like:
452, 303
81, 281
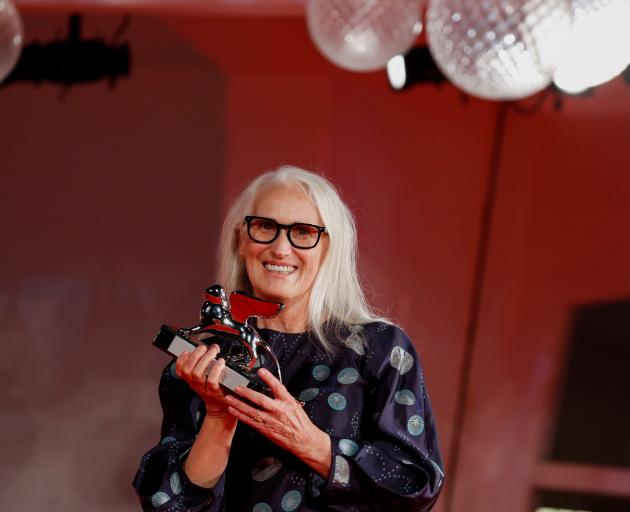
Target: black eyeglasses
302, 236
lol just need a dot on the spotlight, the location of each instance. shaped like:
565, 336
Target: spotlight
396, 72
600, 45
417, 66
72, 60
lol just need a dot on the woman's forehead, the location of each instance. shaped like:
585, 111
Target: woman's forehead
286, 203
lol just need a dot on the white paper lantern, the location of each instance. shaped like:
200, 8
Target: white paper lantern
600, 44
498, 49
11, 37
362, 35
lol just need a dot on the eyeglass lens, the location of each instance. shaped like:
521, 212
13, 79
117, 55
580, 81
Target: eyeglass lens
303, 236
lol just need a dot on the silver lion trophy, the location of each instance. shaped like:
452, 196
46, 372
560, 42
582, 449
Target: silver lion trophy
224, 321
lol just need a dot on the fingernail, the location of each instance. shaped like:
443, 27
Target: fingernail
262, 371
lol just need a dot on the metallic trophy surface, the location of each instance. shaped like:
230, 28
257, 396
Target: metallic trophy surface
224, 321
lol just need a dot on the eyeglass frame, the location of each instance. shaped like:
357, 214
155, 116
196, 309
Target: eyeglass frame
280, 227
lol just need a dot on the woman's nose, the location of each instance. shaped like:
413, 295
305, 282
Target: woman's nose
281, 245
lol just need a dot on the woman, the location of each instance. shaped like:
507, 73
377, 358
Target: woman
362, 436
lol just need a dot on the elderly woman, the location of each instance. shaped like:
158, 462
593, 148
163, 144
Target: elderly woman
362, 435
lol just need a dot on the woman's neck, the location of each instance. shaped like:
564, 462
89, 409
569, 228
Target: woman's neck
289, 320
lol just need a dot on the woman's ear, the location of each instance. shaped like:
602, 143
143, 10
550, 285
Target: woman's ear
241, 243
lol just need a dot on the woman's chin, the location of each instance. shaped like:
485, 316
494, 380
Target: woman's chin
277, 292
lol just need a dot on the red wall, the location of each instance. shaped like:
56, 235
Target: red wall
559, 240
110, 203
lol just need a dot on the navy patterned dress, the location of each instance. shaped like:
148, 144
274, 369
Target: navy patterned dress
369, 397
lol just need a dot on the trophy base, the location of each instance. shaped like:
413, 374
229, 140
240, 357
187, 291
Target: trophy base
175, 342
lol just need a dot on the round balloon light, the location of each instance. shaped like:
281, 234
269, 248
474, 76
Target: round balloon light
498, 49
11, 37
362, 35
600, 45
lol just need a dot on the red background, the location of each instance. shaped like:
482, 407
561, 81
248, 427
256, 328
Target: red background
111, 202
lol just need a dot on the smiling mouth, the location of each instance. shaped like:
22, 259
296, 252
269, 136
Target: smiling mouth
284, 270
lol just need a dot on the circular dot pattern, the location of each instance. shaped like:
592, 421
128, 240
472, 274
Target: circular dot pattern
405, 397
401, 360
176, 484
159, 498
266, 468
342, 470
348, 376
290, 501
415, 425
353, 342
321, 372
348, 447
262, 507
337, 401
308, 394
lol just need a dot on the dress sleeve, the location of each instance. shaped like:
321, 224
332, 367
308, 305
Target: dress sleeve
161, 483
396, 464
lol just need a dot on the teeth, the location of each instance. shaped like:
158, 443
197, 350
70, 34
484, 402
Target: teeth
279, 268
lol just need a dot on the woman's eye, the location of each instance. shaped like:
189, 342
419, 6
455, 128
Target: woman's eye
302, 231
265, 225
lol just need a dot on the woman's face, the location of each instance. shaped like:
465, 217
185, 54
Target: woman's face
279, 271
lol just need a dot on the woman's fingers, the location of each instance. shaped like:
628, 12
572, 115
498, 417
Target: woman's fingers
277, 388
262, 401
243, 408
286, 424
214, 374
186, 361
252, 421
200, 369
192, 358
191, 365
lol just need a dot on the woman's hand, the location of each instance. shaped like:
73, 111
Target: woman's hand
202, 371
210, 451
283, 421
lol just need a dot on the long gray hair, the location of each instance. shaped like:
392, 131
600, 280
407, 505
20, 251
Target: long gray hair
337, 300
